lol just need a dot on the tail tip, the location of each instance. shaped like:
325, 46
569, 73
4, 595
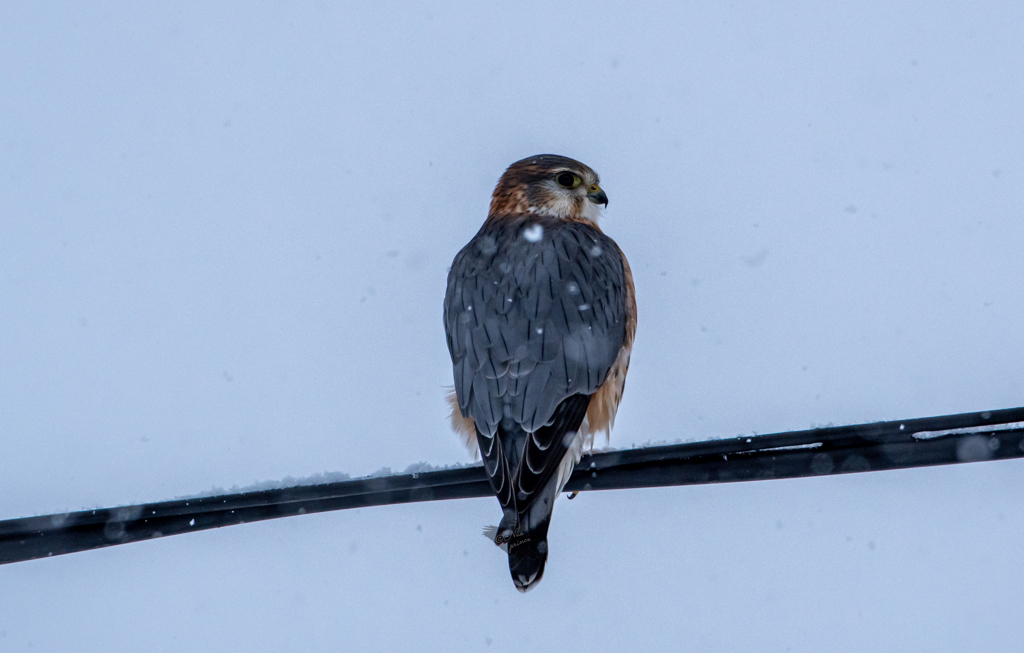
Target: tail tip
526, 558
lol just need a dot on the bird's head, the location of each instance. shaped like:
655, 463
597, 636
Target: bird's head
552, 186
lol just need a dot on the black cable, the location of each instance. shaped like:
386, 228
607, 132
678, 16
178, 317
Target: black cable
968, 437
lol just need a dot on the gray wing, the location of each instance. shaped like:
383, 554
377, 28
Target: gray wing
535, 312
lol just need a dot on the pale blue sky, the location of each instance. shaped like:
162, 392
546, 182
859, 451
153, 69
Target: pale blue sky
224, 235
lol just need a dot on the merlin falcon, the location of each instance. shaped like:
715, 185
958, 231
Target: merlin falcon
540, 315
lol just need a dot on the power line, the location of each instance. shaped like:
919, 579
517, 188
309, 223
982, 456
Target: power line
949, 439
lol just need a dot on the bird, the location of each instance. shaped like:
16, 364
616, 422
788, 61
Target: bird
540, 318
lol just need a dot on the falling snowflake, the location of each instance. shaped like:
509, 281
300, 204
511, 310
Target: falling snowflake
534, 233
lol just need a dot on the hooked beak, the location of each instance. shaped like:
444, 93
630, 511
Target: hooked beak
597, 195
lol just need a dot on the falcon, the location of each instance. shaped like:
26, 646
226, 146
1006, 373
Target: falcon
540, 315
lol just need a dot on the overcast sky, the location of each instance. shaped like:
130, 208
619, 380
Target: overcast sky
224, 237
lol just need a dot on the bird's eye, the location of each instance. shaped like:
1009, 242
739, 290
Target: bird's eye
568, 180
